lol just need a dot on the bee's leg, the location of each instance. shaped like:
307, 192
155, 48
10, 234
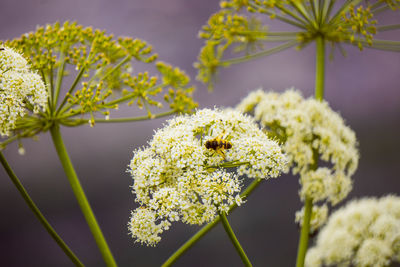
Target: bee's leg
220, 152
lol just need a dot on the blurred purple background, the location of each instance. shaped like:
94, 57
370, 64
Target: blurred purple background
364, 87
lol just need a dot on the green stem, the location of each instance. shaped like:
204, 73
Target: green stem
122, 62
80, 196
268, 33
302, 11
75, 122
388, 27
47, 82
76, 81
154, 116
132, 95
343, 8
234, 240
314, 9
327, 11
260, 54
205, 229
60, 75
379, 10
319, 95
37, 212
293, 15
281, 18
304, 234
320, 68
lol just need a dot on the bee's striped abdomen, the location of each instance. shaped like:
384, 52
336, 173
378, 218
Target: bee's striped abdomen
218, 144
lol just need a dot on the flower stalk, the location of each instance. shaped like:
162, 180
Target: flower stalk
80, 196
319, 95
320, 68
205, 229
234, 240
304, 234
38, 213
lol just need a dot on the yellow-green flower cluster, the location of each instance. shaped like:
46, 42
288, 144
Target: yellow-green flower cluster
21, 90
240, 24
364, 233
102, 77
309, 132
361, 24
176, 178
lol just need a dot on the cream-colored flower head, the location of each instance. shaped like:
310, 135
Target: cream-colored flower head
308, 128
176, 178
364, 233
18, 87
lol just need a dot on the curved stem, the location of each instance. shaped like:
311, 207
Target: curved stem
205, 229
37, 212
304, 234
320, 68
234, 240
80, 196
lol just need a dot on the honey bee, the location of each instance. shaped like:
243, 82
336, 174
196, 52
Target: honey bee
218, 145
2, 48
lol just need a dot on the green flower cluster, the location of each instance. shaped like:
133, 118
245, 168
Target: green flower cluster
233, 30
102, 66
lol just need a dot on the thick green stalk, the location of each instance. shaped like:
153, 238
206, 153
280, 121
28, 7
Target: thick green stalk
205, 229
37, 212
304, 234
319, 95
80, 196
320, 68
234, 240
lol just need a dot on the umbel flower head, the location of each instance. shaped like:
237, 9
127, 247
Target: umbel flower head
176, 178
240, 27
21, 90
100, 70
364, 233
310, 131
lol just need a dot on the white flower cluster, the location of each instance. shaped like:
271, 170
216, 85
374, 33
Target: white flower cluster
176, 178
364, 233
309, 131
18, 86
